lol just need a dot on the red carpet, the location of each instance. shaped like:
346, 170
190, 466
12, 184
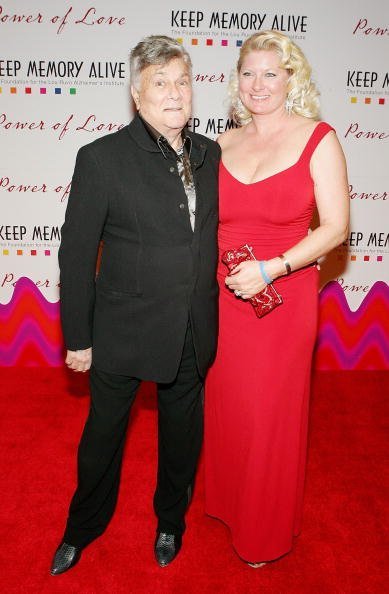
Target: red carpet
341, 549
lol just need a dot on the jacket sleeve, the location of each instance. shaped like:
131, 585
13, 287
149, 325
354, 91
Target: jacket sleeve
80, 237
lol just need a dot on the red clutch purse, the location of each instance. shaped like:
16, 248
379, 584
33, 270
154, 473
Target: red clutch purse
267, 299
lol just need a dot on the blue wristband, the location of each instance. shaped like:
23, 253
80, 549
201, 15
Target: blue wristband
264, 274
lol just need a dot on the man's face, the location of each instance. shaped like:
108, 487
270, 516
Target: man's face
164, 96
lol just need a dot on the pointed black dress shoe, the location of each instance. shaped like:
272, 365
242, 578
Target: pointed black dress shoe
66, 556
167, 547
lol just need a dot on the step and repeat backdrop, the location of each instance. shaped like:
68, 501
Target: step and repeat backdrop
64, 82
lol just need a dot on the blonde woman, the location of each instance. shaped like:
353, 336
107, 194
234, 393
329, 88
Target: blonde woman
277, 167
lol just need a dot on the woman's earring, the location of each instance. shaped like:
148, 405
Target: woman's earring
289, 104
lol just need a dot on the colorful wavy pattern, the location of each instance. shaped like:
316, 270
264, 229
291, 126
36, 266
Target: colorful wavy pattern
30, 332
353, 340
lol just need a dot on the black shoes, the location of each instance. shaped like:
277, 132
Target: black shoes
66, 556
167, 547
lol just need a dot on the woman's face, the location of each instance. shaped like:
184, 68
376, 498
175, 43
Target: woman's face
262, 82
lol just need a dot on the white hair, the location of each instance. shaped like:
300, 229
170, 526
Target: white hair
152, 50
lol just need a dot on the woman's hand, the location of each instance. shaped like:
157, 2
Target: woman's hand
246, 278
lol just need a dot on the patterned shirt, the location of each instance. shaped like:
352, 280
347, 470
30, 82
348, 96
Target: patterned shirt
182, 156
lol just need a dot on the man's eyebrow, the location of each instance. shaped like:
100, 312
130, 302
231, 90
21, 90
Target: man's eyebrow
161, 71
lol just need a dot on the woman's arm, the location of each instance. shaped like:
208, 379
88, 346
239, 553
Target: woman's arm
329, 174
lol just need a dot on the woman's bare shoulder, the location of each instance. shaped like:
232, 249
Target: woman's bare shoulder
229, 137
304, 125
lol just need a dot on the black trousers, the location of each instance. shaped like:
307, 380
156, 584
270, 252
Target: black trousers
180, 430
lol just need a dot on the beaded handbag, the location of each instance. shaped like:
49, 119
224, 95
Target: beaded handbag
266, 300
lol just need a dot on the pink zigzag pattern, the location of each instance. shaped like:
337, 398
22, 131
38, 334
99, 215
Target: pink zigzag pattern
353, 340
30, 332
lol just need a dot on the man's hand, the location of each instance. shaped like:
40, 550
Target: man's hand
79, 360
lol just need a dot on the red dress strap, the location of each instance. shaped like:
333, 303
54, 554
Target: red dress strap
317, 135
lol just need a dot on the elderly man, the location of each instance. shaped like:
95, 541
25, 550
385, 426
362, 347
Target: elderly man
149, 193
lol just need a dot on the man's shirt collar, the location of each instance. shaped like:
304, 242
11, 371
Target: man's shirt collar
163, 143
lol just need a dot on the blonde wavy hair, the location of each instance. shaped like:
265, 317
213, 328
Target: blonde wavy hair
302, 93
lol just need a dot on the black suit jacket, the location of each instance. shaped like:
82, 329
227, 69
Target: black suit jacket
155, 272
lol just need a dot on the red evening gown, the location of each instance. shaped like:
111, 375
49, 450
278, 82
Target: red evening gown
257, 391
